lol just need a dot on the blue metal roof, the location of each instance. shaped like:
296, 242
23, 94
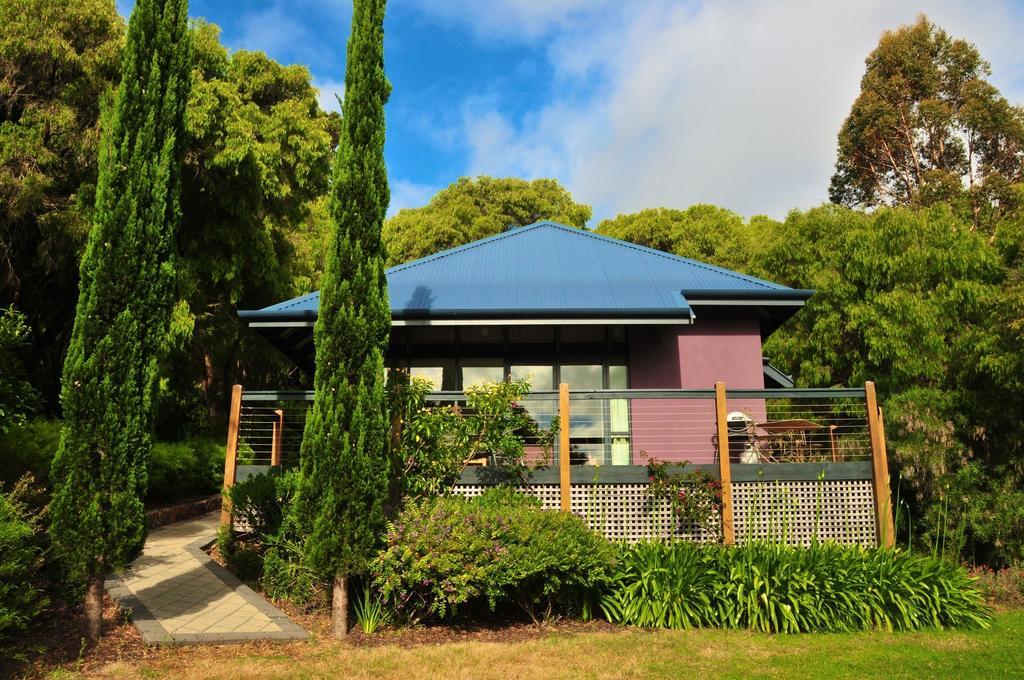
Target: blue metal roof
550, 270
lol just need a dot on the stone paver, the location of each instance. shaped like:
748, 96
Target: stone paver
178, 595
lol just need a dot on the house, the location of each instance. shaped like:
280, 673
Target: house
556, 304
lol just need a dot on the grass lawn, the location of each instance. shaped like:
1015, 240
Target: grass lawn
995, 653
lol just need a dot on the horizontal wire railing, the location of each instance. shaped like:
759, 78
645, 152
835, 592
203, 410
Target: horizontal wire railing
624, 427
627, 428
270, 429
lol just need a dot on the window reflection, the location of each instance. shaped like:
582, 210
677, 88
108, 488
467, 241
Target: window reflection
540, 377
434, 374
477, 375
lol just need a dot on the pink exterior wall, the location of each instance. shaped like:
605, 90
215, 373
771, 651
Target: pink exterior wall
713, 349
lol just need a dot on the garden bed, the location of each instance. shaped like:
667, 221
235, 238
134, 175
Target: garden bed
57, 642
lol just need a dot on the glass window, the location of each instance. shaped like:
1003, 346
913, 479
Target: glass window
435, 374
540, 377
618, 378
583, 377
476, 372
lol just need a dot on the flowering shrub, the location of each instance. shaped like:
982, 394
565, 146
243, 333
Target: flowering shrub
695, 497
445, 556
1003, 587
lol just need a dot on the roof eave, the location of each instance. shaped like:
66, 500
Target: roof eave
705, 296
306, 317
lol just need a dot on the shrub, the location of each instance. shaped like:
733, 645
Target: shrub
29, 449
286, 577
447, 555
695, 497
256, 502
186, 469
437, 440
259, 503
246, 562
17, 396
177, 470
1003, 587
21, 598
779, 589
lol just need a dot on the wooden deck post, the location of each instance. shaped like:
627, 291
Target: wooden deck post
278, 437
564, 478
884, 526
231, 453
724, 464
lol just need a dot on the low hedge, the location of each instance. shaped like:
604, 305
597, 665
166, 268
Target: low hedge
446, 556
177, 470
186, 469
780, 589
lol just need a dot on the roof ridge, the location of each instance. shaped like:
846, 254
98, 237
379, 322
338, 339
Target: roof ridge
473, 244
671, 256
286, 304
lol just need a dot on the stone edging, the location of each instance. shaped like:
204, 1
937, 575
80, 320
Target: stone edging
153, 633
175, 513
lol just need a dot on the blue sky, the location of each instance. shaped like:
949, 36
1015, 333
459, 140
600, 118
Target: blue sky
629, 103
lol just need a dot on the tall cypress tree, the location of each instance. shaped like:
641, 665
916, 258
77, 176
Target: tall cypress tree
339, 506
127, 279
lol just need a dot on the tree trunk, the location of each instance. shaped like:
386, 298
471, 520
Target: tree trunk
339, 606
94, 608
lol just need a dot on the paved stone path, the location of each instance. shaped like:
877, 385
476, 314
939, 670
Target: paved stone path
177, 594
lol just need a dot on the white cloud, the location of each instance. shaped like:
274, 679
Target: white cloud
734, 102
329, 92
406, 194
273, 30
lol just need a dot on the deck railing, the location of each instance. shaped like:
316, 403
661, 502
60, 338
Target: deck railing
812, 460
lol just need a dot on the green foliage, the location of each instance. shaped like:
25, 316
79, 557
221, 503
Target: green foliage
246, 562
258, 503
473, 208
432, 447
928, 128
447, 555
778, 589
286, 577
920, 303
29, 449
695, 497
21, 598
258, 159
57, 58
344, 455
370, 612
176, 470
437, 440
702, 232
185, 469
127, 278
256, 175
17, 396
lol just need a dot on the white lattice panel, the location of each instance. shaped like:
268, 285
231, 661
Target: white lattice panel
625, 512
797, 512
622, 512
